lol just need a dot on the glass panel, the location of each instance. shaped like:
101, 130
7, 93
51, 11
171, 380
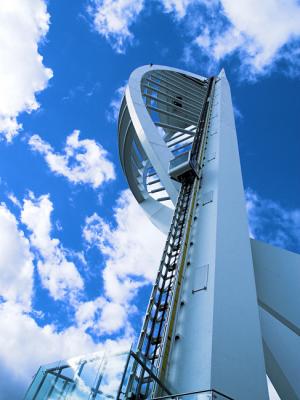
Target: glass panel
100, 376
94, 377
183, 158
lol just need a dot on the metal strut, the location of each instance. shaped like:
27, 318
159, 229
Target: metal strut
152, 340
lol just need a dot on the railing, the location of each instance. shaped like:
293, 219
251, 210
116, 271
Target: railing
139, 364
199, 395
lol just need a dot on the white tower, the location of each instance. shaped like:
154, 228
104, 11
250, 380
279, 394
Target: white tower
224, 309
204, 330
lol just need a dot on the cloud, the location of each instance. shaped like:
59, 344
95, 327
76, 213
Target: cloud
14, 200
23, 27
16, 262
249, 20
237, 113
223, 28
85, 89
20, 362
58, 275
113, 317
113, 18
218, 29
115, 104
178, 7
271, 222
86, 311
82, 161
132, 249
104, 317
24, 346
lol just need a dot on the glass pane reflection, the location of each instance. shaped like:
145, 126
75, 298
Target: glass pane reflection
93, 377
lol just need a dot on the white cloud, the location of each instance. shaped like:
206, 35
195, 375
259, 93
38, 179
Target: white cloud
44, 344
237, 113
249, 20
103, 317
113, 317
221, 28
16, 266
113, 18
218, 28
86, 311
132, 249
14, 200
58, 275
24, 346
23, 26
178, 7
82, 161
115, 104
272, 223
85, 89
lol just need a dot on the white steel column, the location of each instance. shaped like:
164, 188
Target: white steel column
218, 339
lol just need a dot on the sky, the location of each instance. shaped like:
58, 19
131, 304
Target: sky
77, 254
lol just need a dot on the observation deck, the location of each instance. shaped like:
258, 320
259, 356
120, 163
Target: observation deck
158, 119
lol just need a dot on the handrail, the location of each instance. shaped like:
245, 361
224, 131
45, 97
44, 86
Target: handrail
175, 396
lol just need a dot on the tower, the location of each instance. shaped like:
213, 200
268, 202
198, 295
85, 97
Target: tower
224, 308
205, 329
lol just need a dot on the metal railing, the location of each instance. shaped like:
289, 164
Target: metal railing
198, 395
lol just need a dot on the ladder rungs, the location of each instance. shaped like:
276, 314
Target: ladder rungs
167, 289
173, 253
164, 290
162, 307
156, 340
167, 278
152, 357
172, 267
147, 379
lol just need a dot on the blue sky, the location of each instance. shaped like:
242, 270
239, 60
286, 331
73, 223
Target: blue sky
77, 254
